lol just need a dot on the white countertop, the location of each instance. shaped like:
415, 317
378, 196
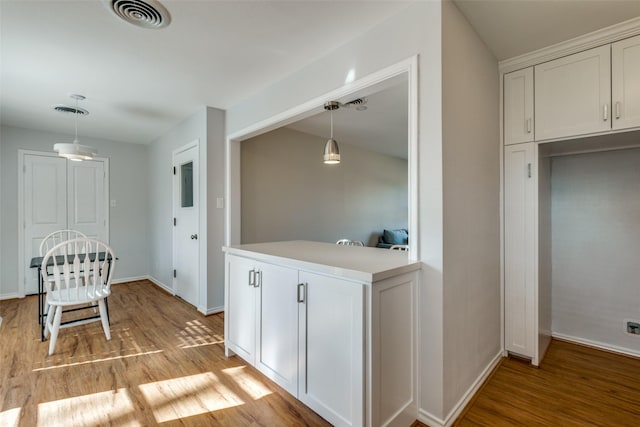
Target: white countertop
363, 264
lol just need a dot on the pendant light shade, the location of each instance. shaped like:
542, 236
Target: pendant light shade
331, 152
75, 151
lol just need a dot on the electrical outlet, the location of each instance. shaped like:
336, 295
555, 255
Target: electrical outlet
633, 327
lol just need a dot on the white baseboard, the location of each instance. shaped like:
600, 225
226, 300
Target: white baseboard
10, 296
596, 344
160, 284
128, 279
457, 409
209, 311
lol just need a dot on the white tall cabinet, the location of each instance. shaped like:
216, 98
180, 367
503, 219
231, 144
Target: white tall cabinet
333, 325
592, 92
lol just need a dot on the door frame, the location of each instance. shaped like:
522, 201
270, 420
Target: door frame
175, 193
377, 79
21, 154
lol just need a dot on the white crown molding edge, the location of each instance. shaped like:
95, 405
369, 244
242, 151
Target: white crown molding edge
596, 38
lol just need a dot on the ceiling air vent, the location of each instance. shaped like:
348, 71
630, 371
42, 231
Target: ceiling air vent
358, 103
71, 110
141, 13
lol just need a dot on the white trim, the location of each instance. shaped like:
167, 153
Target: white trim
232, 146
597, 38
457, 409
21, 154
596, 344
128, 279
201, 282
159, 284
212, 310
10, 296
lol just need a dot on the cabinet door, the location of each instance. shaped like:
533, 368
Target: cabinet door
277, 339
573, 94
240, 314
519, 248
625, 83
518, 106
331, 365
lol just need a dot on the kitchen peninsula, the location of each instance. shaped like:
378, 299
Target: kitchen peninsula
333, 325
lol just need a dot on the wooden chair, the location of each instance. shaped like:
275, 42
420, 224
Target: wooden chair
56, 237
79, 277
399, 248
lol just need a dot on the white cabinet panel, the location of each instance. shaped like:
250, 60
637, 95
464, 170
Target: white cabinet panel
625, 69
241, 307
519, 249
277, 339
573, 94
331, 349
518, 106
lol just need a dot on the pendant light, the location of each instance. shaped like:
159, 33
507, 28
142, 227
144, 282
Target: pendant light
331, 151
74, 151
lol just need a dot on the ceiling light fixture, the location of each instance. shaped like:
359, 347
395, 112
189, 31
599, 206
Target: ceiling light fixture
74, 151
331, 151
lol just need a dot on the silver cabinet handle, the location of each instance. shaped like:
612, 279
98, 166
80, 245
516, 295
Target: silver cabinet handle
258, 281
301, 287
529, 170
605, 112
529, 125
252, 278
618, 110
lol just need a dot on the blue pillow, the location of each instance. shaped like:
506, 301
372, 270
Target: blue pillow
396, 237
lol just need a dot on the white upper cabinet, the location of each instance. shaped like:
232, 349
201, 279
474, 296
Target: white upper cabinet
625, 68
573, 94
518, 106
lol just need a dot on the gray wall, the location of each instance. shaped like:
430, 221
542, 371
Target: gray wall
206, 126
595, 201
289, 194
128, 185
471, 158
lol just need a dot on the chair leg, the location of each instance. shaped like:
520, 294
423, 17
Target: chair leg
49, 321
104, 318
55, 329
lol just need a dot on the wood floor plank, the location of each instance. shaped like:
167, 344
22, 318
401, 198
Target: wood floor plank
165, 364
574, 386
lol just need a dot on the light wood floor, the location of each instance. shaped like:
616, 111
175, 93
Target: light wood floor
574, 386
165, 364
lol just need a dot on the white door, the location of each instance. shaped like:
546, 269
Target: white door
186, 253
277, 338
86, 198
573, 94
45, 207
625, 83
519, 249
518, 106
60, 194
331, 353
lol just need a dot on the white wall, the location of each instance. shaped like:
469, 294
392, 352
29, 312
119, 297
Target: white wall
288, 193
471, 158
128, 231
414, 31
595, 202
206, 126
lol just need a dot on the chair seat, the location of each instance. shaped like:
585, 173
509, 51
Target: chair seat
79, 296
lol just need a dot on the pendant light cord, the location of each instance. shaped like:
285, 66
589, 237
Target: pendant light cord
331, 114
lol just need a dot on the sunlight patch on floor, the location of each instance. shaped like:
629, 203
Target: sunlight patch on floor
104, 408
104, 359
249, 383
10, 417
188, 396
196, 334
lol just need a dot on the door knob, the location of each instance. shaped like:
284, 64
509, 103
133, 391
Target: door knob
194, 237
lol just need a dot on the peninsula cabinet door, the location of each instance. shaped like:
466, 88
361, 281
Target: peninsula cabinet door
573, 95
241, 312
625, 83
277, 339
331, 362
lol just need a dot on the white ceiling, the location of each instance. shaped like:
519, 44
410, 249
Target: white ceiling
140, 83
514, 27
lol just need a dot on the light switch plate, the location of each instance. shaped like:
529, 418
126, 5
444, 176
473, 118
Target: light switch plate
113, 203
220, 203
